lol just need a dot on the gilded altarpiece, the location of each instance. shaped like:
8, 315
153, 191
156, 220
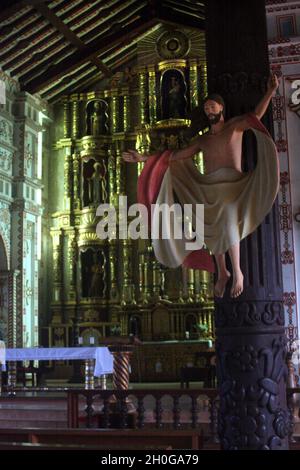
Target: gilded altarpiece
110, 286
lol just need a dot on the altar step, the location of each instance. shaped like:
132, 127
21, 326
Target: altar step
33, 412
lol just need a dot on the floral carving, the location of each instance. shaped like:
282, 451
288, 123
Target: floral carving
244, 358
248, 427
251, 380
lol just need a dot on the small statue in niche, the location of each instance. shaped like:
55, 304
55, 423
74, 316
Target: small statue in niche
96, 277
175, 99
173, 95
92, 273
96, 119
95, 184
87, 172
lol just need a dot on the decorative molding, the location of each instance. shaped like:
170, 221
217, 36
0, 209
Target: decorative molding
290, 50
249, 314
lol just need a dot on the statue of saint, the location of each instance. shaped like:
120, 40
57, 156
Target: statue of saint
96, 278
96, 120
176, 99
95, 185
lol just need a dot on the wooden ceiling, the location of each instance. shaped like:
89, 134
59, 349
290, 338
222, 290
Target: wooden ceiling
56, 47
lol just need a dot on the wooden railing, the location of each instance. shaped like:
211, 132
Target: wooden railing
119, 405
125, 408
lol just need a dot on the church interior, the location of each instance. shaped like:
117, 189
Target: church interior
95, 333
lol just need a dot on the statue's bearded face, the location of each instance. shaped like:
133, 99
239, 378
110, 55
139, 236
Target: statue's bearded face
213, 111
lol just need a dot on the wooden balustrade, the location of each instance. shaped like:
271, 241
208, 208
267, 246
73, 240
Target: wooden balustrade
121, 402
125, 403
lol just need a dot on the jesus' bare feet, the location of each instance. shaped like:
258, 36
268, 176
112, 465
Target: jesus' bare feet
223, 278
237, 284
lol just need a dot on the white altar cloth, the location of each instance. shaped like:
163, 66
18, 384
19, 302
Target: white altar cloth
102, 355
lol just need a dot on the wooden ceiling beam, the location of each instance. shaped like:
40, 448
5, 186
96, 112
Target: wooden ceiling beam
177, 18
10, 7
90, 78
68, 34
185, 7
39, 67
92, 51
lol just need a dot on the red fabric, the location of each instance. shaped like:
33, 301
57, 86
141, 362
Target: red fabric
150, 179
200, 259
255, 123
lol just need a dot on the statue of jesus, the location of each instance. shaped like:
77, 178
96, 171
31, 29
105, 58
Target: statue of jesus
235, 202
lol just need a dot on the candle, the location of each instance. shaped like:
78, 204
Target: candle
92, 340
80, 340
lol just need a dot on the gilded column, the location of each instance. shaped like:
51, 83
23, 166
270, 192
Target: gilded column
114, 123
75, 117
152, 95
120, 176
127, 296
190, 286
205, 284
111, 168
76, 180
113, 269
144, 278
194, 99
126, 110
68, 183
72, 263
105, 257
57, 265
164, 293
203, 80
143, 101
66, 118
142, 145
141, 277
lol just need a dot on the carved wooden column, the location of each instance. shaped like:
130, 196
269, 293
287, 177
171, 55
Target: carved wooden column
250, 330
